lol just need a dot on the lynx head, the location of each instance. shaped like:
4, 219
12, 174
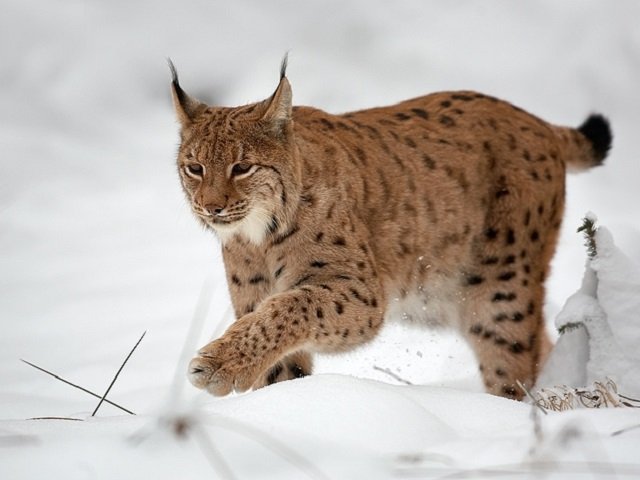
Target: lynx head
238, 166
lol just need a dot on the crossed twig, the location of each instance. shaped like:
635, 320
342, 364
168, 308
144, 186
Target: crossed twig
103, 397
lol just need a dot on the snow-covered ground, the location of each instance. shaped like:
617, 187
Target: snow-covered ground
97, 244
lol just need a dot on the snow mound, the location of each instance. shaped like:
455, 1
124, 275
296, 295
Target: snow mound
320, 427
600, 324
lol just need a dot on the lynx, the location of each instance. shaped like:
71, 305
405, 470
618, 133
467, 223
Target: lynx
444, 208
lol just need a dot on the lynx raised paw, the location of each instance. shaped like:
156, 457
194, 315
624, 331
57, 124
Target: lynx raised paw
221, 368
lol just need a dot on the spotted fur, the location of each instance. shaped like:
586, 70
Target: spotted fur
445, 208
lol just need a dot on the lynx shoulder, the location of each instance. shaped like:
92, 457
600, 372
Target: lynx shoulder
445, 208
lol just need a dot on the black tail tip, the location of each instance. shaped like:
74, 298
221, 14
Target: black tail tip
596, 128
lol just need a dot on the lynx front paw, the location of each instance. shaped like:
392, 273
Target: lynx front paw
221, 367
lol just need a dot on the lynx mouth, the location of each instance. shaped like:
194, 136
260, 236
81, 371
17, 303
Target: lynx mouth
226, 221
223, 220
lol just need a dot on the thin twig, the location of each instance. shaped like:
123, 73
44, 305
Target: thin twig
180, 425
625, 430
537, 430
56, 418
391, 374
278, 447
57, 377
528, 393
117, 373
212, 453
520, 470
189, 345
628, 398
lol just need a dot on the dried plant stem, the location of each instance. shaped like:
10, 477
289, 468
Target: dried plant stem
625, 430
393, 375
57, 418
268, 441
604, 394
525, 470
189, 345
531, 397
628, 398
57, 377
117, 373
211, 453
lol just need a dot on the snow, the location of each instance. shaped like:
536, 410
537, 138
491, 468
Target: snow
601, 320
98, 244
618, 291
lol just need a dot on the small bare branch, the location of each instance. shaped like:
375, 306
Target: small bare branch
272, 443
57, 377
117, 373
211, 452
531, 397
57, 418
392, 375
628, 398
189, 345
540, 469
625, 430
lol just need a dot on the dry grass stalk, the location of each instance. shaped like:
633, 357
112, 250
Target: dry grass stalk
625, 430
392, 375
190, 343
211, 452
276, 446
57, 377
535, 469
117, 374
531, 397
602, 395
57, 418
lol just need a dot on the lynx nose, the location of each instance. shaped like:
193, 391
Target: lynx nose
214, 209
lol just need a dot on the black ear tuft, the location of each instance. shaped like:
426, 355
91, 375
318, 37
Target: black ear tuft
182, 96
174, 72
187, 108
597, 130
277, 110
283, 66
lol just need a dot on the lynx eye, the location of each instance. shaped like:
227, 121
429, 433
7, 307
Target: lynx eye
240, 169
194, 170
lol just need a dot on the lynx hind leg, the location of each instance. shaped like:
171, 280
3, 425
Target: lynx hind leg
508, 336
295, 365
503, 318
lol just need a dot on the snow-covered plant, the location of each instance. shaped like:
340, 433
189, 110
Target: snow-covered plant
599, 330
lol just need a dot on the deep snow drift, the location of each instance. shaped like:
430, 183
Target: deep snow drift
98, 245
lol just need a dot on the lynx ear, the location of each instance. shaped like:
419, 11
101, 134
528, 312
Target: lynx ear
187, 108
277, 113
